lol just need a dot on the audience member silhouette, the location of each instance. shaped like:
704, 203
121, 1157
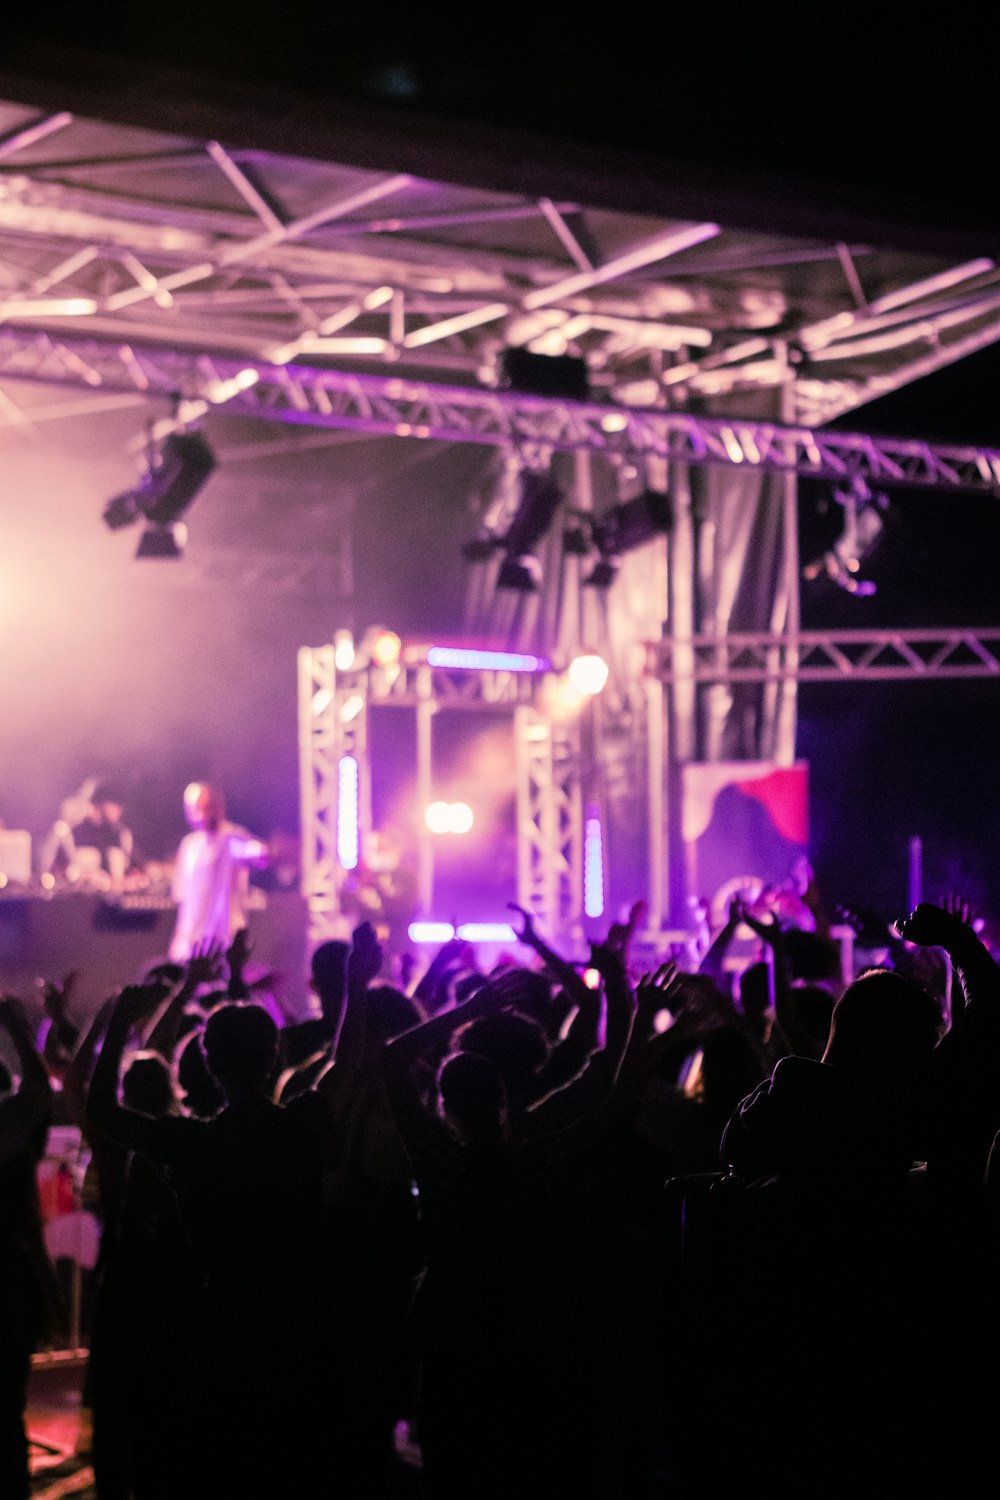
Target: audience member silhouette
248, 1185
30, 1308
509, 1317
856, 1182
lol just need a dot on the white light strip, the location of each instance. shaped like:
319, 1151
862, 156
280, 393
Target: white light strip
348, 840
593, 865
501, 661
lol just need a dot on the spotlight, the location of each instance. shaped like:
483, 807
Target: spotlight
577, 541
122, 510
175, 474
540, 499
184, 464
519, 574
162, 541
603, 574
634, 523
863, 528
588, 674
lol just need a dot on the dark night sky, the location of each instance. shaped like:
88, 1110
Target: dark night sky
893, 761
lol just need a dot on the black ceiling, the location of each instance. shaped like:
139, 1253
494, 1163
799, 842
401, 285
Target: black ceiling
819, 127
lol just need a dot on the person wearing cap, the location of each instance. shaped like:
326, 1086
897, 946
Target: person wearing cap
211, 876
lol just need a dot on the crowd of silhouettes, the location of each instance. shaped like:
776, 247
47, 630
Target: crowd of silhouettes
613, 1226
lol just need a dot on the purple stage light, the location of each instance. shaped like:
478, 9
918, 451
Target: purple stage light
472, 660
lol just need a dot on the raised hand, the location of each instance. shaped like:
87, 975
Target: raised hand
56, 997
958, 907
137, 1002
657, 989
527, 934
931, 926
205, 963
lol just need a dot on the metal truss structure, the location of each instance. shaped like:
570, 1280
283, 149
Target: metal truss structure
333, 724
390, 406
137, 237
206, 281
830, 656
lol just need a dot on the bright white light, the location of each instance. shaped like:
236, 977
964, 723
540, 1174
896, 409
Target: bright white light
438, 817
343, 651
592, 978
486, 932
593, 865
430, 932
321, 701
588, 674
347, 812
448, 817
461, 817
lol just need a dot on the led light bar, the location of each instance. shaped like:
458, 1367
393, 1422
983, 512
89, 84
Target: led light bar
593, 864
348, 840
484, 661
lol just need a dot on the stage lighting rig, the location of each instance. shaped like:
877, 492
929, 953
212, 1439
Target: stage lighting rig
864, 524
621, 529
176, 471
539, 497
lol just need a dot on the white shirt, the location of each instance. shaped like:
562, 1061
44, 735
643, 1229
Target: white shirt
210, 886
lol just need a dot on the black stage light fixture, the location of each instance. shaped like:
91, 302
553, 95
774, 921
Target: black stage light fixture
122, 510
577, 541
162, 541
603, 574
183, 465
540, 499
518, 574
555, 375
634, 523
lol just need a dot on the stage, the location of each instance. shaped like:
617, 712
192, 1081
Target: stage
110, 940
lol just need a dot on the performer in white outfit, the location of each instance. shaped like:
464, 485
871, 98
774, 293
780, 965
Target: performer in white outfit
211, 873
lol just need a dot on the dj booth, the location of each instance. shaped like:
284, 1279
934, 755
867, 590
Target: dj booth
110, 940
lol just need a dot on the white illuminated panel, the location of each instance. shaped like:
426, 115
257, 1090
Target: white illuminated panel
347, 812
593, 865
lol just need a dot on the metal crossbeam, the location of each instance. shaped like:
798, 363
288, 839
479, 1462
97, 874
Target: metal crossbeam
388, 406
830, 656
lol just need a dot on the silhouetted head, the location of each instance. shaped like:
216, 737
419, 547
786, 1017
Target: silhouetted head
147, 1086
389, 1012
515, 1044
535, 999
755, 991
328, 967
109, 800
473, 1098
204, 805
202, 1095
884, 1021
813, 1005
241, 1047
